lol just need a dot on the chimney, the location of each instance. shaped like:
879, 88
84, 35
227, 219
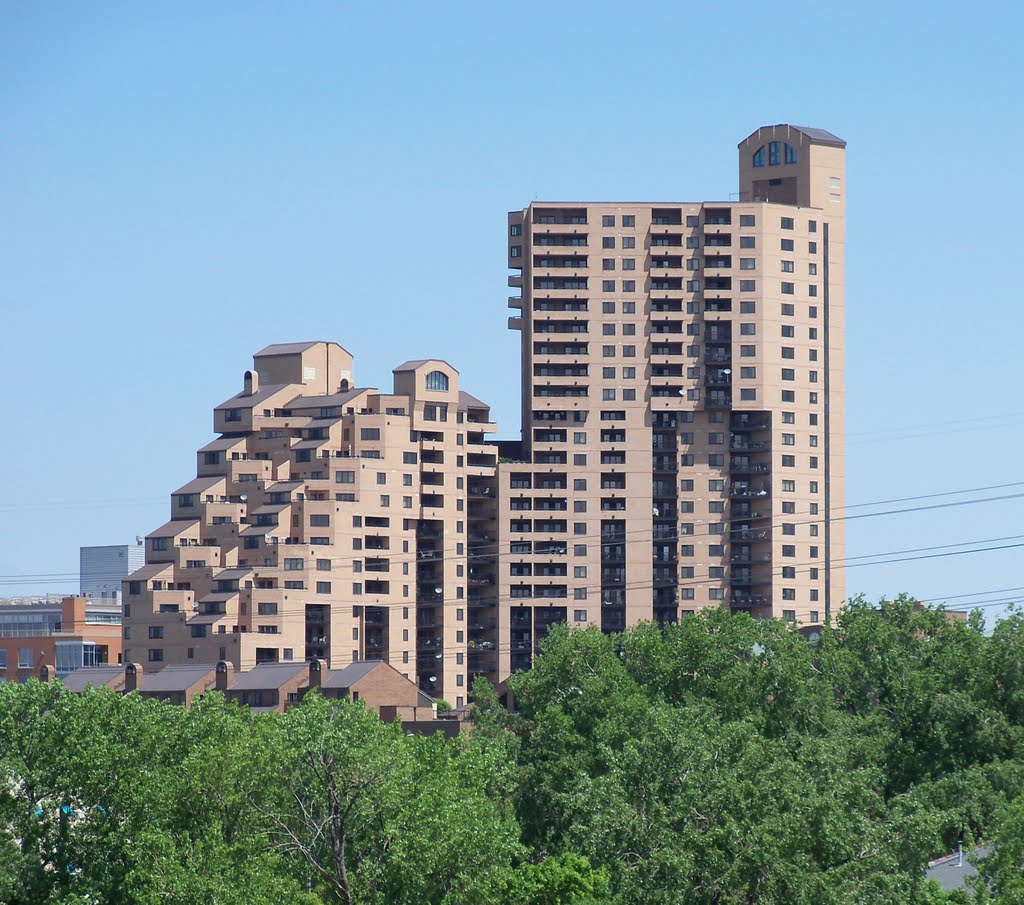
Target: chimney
251, 382
47, 672
225, 672
132, 677
317, 673
72, 616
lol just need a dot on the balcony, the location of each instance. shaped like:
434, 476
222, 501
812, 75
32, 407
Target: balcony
740, 445
718, 379
747, 557
718, 401
741, 490
744, 422
717, 356
742, 466
750, 535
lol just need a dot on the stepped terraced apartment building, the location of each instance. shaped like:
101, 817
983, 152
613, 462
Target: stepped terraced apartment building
682, 394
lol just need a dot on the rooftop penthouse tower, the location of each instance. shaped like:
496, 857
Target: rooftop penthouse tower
682, 402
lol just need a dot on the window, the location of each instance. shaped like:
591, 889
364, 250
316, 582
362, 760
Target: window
437, 380
789, 461
515, 230
629, 285
788, 267
628, 242
790, 154
748, 351
747, 263
156, 655
788, 289
788, 374
608, 264
608, 242
629, 264
323, 587
608, 285
748, 220
774, 153
748, 373
580, 615
748, 307
758, 159
266, 609
748, 329
369, 433
786, 222
628, 220
748, 285
294, 564
788, 352
515, 251
608, 220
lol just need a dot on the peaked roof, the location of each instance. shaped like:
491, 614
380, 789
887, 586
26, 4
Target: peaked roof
820, 135
267, 675
96, 676
816, 136
177, 677
348, 675
415, 363
287, 348
469, 401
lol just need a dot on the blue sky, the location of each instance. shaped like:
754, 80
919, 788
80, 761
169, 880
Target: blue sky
183, 184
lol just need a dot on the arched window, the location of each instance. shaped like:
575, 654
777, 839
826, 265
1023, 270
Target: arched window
790, 154
437, 380
759, 157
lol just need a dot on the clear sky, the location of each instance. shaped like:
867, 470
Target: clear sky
182, 184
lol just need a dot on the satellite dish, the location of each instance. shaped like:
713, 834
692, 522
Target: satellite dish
243, 497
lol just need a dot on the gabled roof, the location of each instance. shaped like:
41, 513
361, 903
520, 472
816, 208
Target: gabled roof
307, 402
816, 136
198, 485
267, 675
174, 528
287, 348
349, 675
96, 676
469, 401
820, 135
241, 400
150, 570
415, 363
222, 443
177, 677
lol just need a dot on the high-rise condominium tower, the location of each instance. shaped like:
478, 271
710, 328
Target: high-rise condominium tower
682, 375
330, 522
682, 402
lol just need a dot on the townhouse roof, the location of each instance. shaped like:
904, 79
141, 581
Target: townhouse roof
96, 676
176, 677
267, 675
349, 675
